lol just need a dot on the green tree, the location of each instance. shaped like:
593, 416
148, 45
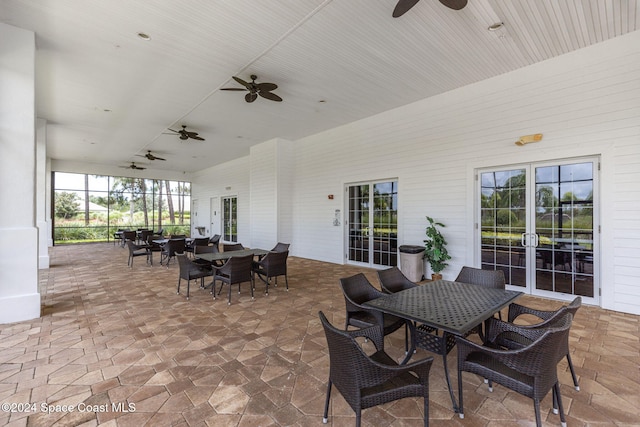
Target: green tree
66, 205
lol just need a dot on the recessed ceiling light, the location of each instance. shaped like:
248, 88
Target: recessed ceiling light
144, 36
496, 26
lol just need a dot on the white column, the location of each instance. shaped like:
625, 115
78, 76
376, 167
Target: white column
43, 213
19, 297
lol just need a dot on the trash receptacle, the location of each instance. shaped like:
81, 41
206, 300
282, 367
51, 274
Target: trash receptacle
411, 263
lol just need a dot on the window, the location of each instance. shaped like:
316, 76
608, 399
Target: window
91, 208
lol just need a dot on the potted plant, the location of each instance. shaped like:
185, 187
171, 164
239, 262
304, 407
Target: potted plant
436, 249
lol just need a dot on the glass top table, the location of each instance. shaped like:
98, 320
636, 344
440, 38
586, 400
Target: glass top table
451, 307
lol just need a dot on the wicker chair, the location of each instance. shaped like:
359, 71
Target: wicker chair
211, 249
280, 247
273, 264
480, 277
513, 340
137, 250
392, 280
531, 371
367, 381
236, 270
215, 240
170, 249
228, 247
128, 235
198, 241
189, 270
357, 290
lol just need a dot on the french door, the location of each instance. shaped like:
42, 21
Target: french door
230, 219
538, 224
372, 223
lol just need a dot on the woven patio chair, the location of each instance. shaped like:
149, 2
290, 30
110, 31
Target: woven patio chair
170, 249
189, 271
136, 251
513, 340
236, 270
272, 265
365, 380
392, 280
531, 371
228, 247
357, 290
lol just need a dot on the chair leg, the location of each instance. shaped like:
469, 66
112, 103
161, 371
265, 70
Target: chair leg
556, 388
536, 407
325, 418
188, 285
460, 407
179, 279
286, 282
573, 373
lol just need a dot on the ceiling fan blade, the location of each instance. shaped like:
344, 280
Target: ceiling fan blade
454, 4
267, 87
159, 158
233, 88
242, 82
251, 96
403, 7
196, 137
271, 96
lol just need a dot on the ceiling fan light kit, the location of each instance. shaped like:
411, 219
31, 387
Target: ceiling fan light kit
528, 139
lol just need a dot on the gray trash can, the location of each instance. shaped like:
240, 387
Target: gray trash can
411, 263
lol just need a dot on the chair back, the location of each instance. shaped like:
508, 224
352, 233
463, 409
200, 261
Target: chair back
205, 250
477, 276
347, 361
178, 236
357, 289
185, 264
392, 280
215, 239
132, 247
281, 247
175, 246
238, 269
200, 241
275, 263
228, 247
129, 235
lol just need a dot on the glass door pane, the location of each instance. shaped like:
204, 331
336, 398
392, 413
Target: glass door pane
372, 233
358, 223
503, 206
564, 226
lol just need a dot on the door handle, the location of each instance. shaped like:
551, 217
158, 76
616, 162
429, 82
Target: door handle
536, 240
523, 238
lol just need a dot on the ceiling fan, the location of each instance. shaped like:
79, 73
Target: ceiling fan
133, 166
185, 134
262, 89
404, 5
150, 156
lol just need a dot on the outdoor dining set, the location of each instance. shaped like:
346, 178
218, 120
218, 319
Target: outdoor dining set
203, 257
438, 316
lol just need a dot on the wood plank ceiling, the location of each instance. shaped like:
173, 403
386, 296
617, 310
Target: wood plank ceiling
110, 96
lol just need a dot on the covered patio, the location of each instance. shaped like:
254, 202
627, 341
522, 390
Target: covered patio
109, 334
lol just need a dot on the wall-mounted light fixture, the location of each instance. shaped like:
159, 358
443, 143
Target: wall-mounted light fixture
527, 139
330, 197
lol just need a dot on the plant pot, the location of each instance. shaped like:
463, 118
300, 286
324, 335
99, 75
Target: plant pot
436, 276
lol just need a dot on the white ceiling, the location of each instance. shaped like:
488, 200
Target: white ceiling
109, 96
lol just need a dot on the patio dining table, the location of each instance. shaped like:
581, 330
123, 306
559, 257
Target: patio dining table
222, 256
454, 308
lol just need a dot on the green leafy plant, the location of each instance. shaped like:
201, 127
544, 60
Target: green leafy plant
436, 247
